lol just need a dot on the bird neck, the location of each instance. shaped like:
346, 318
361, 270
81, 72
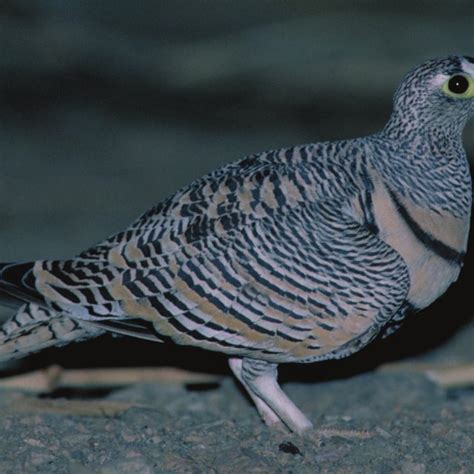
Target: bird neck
407, 125
426, 166
425, 145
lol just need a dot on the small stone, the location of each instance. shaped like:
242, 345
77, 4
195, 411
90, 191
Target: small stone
129, 437
134, 465
34, 442
383, 433
290, 448
38, 458
410, 467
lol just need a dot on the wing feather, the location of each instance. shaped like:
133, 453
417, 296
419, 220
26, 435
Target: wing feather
256, 258
286, 289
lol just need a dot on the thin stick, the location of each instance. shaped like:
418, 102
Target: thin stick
100, 408
448, 376
453, 377
54, 377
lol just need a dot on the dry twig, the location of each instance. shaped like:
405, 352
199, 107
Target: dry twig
448, 376
54, 377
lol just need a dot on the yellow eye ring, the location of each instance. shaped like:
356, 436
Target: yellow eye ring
459, 86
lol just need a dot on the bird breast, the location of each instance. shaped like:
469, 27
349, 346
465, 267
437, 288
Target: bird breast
432, 244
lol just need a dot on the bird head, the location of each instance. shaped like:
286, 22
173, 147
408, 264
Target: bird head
437, 96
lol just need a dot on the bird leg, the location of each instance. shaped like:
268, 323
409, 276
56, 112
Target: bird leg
260, 380
267, 414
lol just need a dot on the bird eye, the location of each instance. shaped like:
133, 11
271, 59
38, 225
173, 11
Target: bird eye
459, 86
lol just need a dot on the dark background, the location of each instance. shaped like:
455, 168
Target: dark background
108, 106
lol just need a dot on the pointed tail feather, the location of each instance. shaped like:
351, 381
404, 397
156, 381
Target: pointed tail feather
37, 326
34, 328
17, 284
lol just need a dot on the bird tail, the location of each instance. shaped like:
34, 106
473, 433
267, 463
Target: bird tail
17, 284
34, 326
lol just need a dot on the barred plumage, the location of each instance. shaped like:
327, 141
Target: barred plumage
294, 255
33, 328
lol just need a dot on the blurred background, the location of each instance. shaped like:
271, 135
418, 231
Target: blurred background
107, 107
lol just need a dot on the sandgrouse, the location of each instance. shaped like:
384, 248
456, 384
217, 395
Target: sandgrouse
294, 255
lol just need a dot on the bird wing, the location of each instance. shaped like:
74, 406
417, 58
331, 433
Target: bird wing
258, 186
256, 258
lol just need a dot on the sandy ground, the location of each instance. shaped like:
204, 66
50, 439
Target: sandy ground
377, 422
